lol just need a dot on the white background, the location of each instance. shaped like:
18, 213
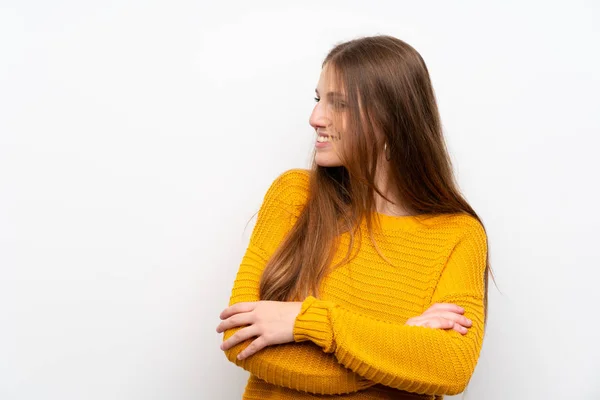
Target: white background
137, 139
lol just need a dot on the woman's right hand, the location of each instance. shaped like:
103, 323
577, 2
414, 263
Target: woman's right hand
443, 316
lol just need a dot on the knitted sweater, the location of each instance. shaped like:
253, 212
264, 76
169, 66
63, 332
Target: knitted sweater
352, 341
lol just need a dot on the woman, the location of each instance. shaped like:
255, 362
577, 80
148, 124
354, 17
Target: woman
316, 310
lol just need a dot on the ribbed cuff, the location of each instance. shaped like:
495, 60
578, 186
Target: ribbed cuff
313, 323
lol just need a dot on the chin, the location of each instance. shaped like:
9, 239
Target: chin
326, 160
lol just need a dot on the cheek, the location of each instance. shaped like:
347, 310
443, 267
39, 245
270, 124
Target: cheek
339, 126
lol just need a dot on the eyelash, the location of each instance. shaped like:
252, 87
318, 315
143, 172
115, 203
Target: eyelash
339, 105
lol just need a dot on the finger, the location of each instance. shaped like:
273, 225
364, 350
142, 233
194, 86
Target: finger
458, 318
240, 336
432, 322
240, 319
243, 306
460, 329
439, 323
445, 307
415, 321
442, 323
256, 345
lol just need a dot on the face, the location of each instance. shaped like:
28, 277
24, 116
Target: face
328, 141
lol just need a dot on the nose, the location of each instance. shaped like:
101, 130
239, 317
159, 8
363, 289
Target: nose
318, 119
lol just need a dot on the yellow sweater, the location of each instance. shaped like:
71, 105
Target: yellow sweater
352, 341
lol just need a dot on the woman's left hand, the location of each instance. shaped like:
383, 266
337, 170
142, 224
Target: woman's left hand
271, 321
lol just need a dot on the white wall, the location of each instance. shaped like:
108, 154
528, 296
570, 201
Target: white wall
137, 139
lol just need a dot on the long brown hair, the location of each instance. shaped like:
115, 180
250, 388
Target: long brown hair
388, 98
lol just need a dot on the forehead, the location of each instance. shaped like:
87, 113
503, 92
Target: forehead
328, 84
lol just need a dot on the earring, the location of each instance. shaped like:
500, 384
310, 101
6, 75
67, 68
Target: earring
388, 155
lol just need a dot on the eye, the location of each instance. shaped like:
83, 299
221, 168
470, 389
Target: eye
317, 99
339, 104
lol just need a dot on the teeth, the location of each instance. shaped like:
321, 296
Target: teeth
322, 139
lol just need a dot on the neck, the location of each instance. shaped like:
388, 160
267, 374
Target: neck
383, 206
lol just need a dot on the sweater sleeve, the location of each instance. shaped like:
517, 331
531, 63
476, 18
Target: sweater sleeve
411, 358
298, 366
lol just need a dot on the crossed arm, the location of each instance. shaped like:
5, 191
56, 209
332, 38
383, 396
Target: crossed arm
285, 364
410, 358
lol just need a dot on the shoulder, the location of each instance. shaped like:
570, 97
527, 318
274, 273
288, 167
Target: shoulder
456, 227
468, 231
279, 211
290, 187
456, 222
467, 224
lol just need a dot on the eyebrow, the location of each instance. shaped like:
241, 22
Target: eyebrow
331, 93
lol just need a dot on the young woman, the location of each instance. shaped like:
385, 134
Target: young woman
317, 309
